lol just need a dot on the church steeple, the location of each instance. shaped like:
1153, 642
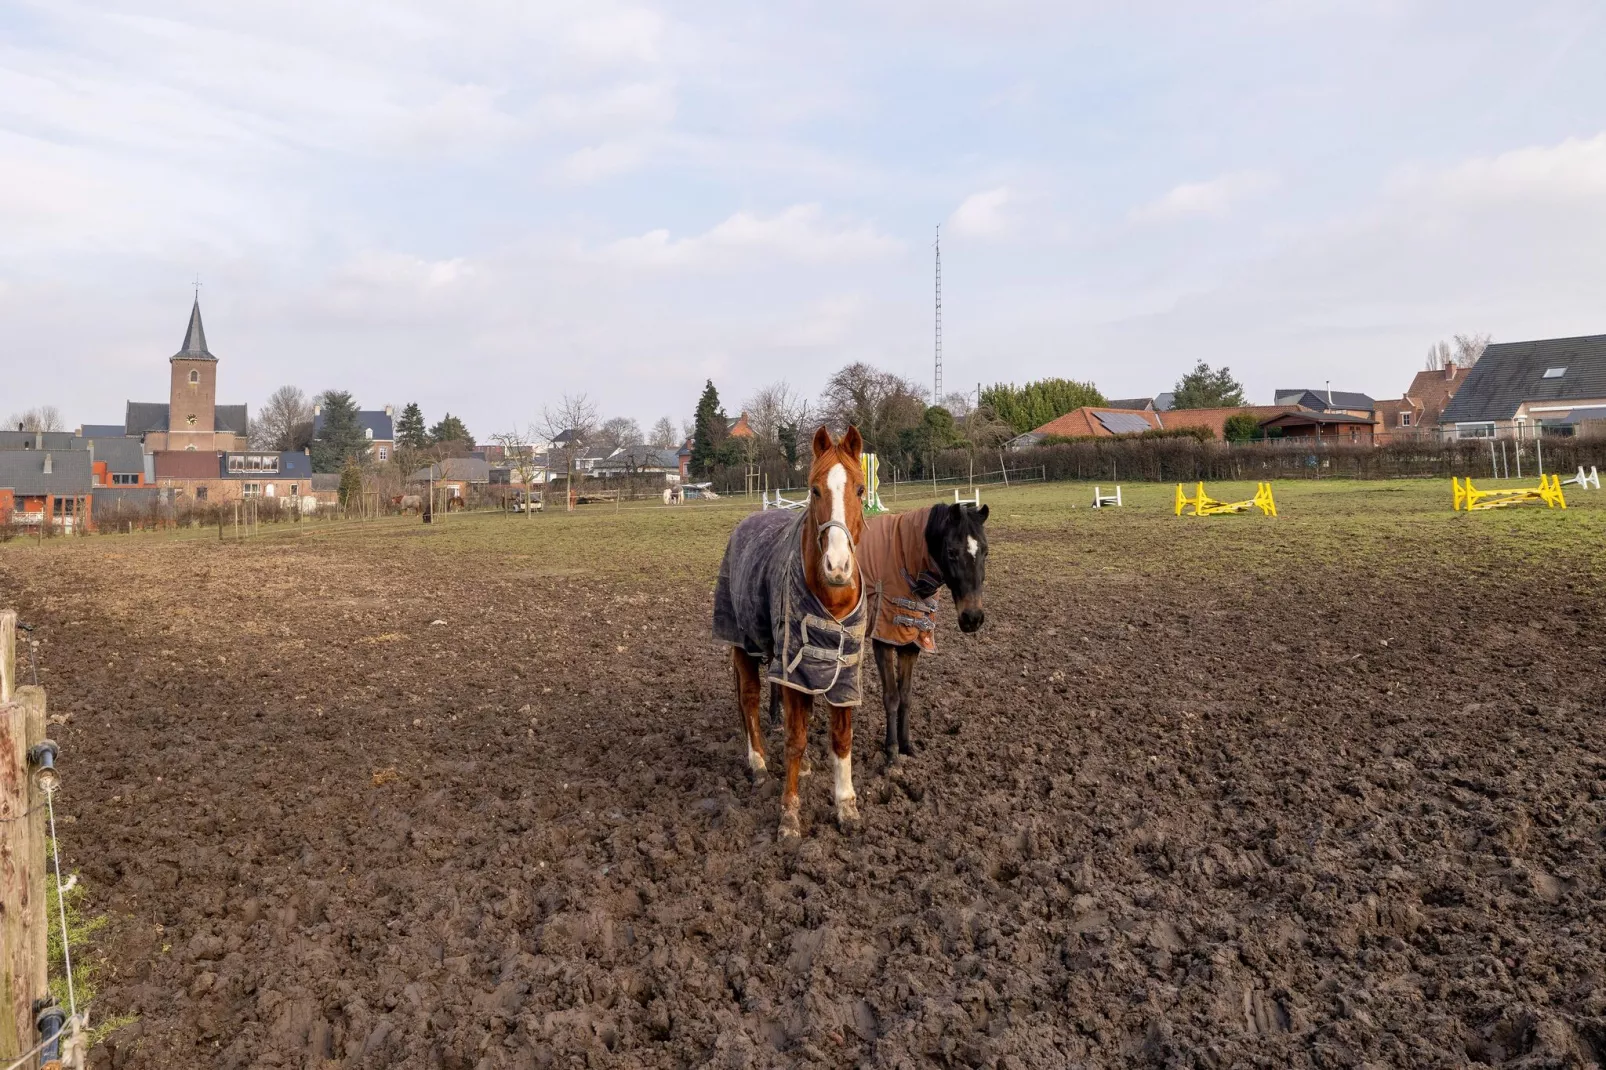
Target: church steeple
194, 338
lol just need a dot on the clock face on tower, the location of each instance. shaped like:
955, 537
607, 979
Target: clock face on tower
190, 419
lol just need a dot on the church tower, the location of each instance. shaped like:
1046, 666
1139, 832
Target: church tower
192, 401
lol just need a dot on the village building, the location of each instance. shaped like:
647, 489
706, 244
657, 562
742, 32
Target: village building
1554, 386
1417, 414
47, 486
216, 478
190, 419
378, 427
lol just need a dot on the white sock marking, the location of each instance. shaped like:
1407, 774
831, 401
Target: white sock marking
972, 545
842, 789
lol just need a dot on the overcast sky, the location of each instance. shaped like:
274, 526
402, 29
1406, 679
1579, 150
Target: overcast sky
481, 205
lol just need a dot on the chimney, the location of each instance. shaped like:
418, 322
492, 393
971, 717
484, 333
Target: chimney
1449, 369
47, 464
390, 410
38, 440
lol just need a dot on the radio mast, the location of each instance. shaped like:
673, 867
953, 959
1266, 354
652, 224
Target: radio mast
936, 397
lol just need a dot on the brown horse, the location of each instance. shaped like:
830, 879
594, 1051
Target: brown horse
789, 593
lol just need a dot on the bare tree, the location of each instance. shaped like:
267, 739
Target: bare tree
39, 418
619, 433
960, 404
285, 422
880, 404
663, 434
1464, 352
1469, 347
569, 426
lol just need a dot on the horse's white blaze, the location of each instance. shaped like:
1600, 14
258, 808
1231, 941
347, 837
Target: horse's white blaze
838, 551
972, 545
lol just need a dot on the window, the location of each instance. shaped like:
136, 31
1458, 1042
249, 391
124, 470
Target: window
1555, 373
1405, 419
124, 479
384, 454
195, 377
267, 491
253, 462
200, 494
1483, 430
295, 488
368, 433
250, 490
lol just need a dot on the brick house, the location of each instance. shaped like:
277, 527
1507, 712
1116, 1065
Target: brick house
234, 476
1417, 414
1553, 386
378, 427
54, 487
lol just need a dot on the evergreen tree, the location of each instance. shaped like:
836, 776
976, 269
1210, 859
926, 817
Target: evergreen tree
340, 438
1203, 388
410, 427
709, 433
350, 483
451, 431
1028, 407
1241, 427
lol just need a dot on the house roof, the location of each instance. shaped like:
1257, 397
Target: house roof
377, 422
147, 416
1131, 403
186, 464
1324, 400
1216, 419
460, 469
598, 453
564, 437
741, 428
1099, 421
1510, 374
33, 440
1300, 417
1164, 400
123, 456
23, 471
194, 347
102, 431
638, 458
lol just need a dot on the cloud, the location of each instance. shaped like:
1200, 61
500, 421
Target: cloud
1575, 168
982, 214
1213, 198
799, 233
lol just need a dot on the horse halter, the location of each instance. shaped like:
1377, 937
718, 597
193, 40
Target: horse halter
819, 536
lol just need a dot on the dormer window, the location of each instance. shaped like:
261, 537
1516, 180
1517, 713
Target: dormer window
195, 376
1555, 373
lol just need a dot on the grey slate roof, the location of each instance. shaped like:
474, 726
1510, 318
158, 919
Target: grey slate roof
292, 465
1164, 401
102, 431
29, 440
467, 469
123, 456
23, 472
1511, 373
1318, 399
1132, 403
147, 416
194, 347
637, 458
376, 421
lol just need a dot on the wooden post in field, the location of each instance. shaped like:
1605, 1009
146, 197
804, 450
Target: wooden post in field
23, 960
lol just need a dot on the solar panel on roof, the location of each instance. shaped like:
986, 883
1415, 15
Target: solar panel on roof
1122, 423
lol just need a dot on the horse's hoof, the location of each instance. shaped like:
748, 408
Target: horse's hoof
847, 814
756, 764
791, 827
908, 750
805, 768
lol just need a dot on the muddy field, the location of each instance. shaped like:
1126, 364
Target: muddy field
1328, 790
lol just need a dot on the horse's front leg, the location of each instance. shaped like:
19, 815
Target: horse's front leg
847, 803
797, 706
905, 689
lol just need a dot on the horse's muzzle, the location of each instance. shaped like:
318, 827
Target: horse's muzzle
970, 619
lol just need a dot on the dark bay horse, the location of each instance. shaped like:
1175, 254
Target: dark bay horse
904, 559
789, 593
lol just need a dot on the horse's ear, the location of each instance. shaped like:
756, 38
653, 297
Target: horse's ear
822, 441
852, 444
981, 514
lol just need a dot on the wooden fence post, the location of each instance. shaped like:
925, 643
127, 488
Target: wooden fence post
23, 957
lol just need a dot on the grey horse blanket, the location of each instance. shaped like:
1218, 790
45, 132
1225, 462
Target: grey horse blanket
763, 605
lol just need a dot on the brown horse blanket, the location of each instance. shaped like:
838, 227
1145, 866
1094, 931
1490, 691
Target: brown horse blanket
763, 605
900, 578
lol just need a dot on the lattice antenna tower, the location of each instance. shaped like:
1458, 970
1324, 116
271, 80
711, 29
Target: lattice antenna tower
936, 397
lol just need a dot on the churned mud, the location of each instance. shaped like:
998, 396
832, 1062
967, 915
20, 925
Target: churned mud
355, 803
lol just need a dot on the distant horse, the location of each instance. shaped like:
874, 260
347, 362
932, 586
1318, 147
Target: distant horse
904, 559
789, 593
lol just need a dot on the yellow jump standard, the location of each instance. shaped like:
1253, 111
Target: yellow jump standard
1204, 505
